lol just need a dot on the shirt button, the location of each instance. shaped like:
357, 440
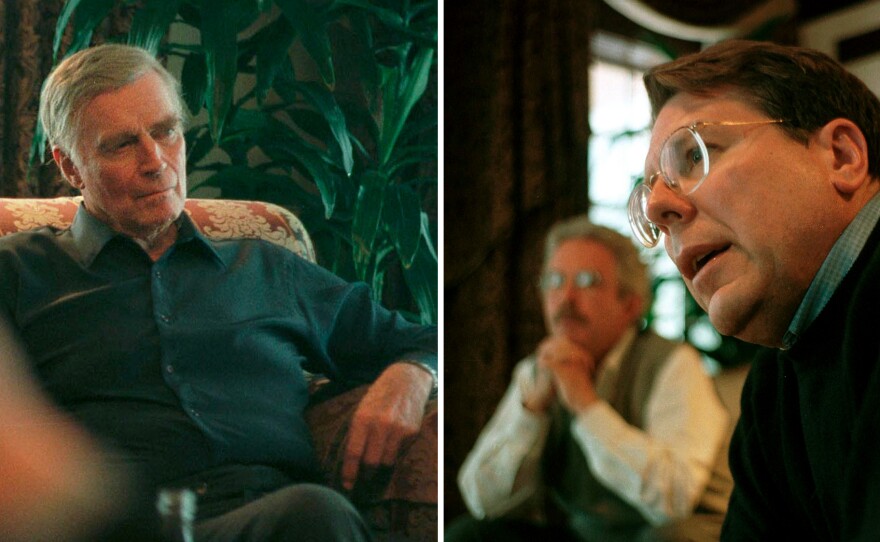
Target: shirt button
158, 274
165, 318
170, 368
195, 412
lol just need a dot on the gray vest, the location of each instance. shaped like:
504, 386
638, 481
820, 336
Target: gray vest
575, 495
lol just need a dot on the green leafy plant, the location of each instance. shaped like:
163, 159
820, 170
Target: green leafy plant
326, 107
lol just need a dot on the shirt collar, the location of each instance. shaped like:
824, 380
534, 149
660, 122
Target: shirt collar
91, 235
614, 356
835, 267
188, 232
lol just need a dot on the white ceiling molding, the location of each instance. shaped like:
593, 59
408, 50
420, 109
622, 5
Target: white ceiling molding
625, 51
826, 33
646, 16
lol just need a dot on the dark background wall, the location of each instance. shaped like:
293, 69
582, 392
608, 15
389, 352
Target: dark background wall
27, 31
515, 139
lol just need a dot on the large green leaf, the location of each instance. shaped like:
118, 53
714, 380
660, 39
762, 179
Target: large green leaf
383, 255
61, 24
220, 23
422, 21
401, 94
284, 82
88, 14
386, 16
198, 145
416, 145
429, 234
312, 125
191, 14
285, 148
194, 81
312, 30
365, 227
417, 23
317, 118
421, 277
402, 218
411, 155
273, 52
249, 122
151, 22
241, 182
324, 101
361, 57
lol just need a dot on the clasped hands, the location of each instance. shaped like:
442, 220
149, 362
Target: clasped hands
389, 414
562, 370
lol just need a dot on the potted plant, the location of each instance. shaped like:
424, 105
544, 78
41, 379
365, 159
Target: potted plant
326, 107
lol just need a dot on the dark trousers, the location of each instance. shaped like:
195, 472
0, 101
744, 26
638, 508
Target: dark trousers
262, 504
468, 529
697, 528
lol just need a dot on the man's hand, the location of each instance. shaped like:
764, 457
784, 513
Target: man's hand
390, 413
572, 370
536, 389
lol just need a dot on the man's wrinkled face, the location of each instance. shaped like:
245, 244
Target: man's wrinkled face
750, 239
130, 158
581, 296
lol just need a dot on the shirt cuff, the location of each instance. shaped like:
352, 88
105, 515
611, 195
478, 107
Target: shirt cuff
432, 371
598, 421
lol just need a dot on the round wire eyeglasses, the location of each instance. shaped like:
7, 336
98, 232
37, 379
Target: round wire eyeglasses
685, 159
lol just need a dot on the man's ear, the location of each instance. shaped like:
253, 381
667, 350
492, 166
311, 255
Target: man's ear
848, 154
634, 306
67, 167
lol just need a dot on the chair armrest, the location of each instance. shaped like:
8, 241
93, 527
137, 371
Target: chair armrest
400, 502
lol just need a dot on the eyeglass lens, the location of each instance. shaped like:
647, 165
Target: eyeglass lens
684, 163
684, 160
583, 279
645, 231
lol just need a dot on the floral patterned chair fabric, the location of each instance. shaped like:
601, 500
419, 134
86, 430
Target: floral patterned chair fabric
217, 219
400, 504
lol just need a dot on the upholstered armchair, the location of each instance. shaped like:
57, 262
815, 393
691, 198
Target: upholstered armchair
400, 504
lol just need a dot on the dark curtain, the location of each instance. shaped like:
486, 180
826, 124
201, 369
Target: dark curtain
515, 162
27, 30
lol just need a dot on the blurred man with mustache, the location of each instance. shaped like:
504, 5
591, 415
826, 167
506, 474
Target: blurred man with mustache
614, 432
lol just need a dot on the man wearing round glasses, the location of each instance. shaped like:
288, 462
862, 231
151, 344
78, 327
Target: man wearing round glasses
619, 430
762, 181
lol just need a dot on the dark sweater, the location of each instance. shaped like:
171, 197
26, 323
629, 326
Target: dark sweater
806, 453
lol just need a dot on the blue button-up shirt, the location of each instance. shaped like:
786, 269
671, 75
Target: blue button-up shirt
194, 360
833, 270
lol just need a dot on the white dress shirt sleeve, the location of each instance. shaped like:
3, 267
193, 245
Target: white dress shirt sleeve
502, 471
662, 470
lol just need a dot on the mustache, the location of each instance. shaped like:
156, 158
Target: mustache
568, 311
